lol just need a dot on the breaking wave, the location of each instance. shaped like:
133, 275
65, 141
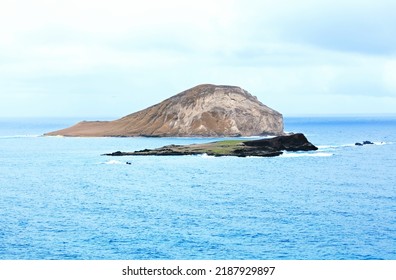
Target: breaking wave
113, 162
298, 154
19, 136
332, 147
205, 155
382, 143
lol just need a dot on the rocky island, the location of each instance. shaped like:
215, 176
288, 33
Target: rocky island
203, 111
263, 148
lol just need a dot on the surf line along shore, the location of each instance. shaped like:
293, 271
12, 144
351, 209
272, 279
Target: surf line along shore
268, 147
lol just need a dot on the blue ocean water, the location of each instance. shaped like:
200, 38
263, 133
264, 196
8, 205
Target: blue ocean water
60, 199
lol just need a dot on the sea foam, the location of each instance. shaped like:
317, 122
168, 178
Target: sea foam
296, 154
113, 162
19, 136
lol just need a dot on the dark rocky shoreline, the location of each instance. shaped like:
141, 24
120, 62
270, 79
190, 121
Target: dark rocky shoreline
241, 148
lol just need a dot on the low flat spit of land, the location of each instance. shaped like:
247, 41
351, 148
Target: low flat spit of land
268, 147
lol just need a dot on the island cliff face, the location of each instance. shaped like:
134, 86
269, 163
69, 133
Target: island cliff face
205, 110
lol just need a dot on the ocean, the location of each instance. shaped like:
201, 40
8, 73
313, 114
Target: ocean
61, 199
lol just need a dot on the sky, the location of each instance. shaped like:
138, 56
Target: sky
106, 59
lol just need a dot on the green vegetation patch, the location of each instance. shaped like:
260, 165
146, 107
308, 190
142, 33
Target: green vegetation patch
225, 147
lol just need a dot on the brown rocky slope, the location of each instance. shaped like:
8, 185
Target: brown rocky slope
205, 110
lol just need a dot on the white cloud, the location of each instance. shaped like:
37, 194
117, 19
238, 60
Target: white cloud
389, 75
352, 26
141, 52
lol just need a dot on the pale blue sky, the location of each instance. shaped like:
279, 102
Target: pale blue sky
96, 58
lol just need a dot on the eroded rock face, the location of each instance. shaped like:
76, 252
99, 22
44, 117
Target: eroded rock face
292, 142
205, 110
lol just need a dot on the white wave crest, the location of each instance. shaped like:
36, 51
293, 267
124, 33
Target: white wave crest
205, 155
332, 147
325, 147
19, 136
296, 154
55, 136
381, 143
347, 145
377, 143
113, 162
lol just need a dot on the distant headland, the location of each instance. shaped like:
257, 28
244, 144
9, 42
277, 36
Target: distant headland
202, 111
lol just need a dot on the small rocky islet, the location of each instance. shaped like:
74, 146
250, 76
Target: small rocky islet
364, 143
241, 148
